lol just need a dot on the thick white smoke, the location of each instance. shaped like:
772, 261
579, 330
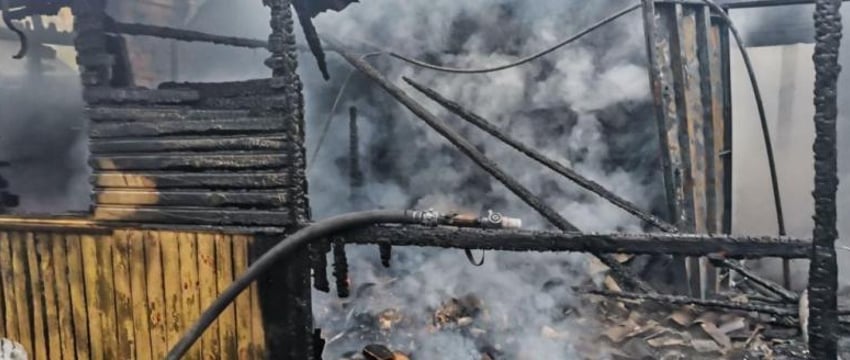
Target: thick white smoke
555, 105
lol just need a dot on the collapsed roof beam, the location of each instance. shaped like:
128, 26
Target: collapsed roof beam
742, 4
738, 247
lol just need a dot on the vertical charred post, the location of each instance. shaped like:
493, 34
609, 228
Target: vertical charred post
285, 293
341, 269
823, 271
90, 44
7, 199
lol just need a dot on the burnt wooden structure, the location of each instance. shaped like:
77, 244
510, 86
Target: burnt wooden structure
194, 180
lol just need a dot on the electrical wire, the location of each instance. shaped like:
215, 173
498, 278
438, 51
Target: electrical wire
768, 144
330, 117
522, 61
290, 244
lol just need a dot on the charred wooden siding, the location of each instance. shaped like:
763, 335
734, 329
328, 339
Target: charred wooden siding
96, 293
205, 154
689, 83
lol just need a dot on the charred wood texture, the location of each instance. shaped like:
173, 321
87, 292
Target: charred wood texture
783, 293
311, 35
90, 44
203, 198
184, 180
619, 271
116, 27
742, 247
711, 304
341, 269
318, 254
139, 96
823, 271
265, 142
228, 89
192, 215
287, 310
190, 161
571, 174
245, 125
128, 114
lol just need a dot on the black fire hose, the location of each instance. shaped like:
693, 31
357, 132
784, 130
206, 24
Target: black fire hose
315, 232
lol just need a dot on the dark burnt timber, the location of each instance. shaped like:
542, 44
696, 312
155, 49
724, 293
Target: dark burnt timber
620, 272
823, 270
188, 215
571, 174
115, 27
737, 247
139, 96
190, 161
713, 304
228, 89
786, 295
181, 180
110, 113
200, 127
218, 143
240, 199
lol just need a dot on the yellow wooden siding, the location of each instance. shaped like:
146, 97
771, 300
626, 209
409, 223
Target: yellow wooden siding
125, 295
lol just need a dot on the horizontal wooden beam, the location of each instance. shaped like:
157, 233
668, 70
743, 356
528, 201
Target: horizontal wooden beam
179, 180
230, 88
738, 247
190, 161
171, 144
196, 216
102, 95
111, 113
237, 199
205, 127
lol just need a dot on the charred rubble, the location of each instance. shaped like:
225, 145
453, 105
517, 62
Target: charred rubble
635, 316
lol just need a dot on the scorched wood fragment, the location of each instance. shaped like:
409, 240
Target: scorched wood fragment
170, 144
189, 127
205, 180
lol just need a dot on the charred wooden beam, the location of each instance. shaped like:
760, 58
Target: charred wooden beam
737, 247
103, 95
234, 199
177, 144
205, 180
189, 127
117, 27
619, 271
823, 271
190, 161
341, 269
783, 293
123, 113
187, 215
228, 88
712, 304
276, 103
555, 166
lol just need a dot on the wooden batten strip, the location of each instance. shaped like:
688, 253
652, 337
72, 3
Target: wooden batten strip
47, 282
224, 272
191, 309
65, 311
139, 290
36, 298
156, 297
7, 277
106, 292
244, 313
94, 304
172, 286
123, 294
22, 301
208, 291
79, 303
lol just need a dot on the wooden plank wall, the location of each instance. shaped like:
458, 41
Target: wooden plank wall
125, 295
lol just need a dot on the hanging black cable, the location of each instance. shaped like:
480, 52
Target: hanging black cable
7, 20
289, 245
768, 145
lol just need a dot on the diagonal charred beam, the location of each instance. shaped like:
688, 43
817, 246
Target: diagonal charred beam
713, 304
783, 293
620, 272
739, 247
117, 27
555, 166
